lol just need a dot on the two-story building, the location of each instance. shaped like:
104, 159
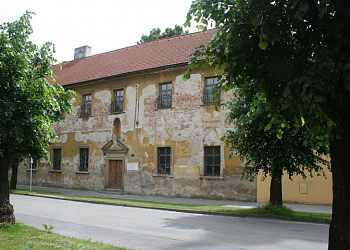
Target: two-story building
139, 127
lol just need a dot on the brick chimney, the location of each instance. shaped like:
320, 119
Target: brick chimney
82, 52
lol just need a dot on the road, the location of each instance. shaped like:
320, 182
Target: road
139, 228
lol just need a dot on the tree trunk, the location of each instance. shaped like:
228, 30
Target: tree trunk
339, 230
13, 181
276, 189
6, 209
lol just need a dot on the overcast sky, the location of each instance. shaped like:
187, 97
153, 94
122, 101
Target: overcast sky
104, 25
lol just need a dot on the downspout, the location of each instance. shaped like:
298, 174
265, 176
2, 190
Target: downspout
134, 134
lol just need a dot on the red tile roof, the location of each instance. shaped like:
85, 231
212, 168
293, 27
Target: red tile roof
152, 55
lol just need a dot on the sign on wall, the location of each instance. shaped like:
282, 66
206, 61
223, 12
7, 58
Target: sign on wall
132, 166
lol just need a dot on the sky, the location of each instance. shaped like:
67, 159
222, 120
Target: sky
104, 25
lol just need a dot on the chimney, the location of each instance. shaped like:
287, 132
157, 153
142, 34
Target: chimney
82, 52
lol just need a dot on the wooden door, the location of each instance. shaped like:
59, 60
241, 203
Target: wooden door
116, 174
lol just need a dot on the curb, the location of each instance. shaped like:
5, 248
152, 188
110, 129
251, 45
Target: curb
261, 216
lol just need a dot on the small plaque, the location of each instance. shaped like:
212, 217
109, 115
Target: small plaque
132, 166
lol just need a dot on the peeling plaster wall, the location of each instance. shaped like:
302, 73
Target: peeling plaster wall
186, 128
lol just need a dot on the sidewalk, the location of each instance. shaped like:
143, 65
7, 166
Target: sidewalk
228, 203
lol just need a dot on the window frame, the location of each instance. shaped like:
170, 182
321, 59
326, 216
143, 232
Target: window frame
212, 161
164, 169
33, 164
208, 96
81, 162
54, 159
86, 107
120, 101
164, 99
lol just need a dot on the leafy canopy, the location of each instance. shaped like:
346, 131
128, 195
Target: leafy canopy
156, 34
29, 104
296, 52
261, 149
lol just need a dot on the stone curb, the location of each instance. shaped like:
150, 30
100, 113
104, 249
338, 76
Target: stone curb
276, 217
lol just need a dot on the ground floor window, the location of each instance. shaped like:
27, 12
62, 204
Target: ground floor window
56, 159
163, 161
33, 163
212, 161
84, 160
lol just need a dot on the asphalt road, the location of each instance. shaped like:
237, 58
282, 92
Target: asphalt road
139, 228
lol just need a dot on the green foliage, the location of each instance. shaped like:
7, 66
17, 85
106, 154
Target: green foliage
156, 34
29, 104
260, 143
47, 228
296, 52
269, 209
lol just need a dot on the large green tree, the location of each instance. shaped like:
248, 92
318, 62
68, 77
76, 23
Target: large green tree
29, 104
262, 150
157, 34
298, 54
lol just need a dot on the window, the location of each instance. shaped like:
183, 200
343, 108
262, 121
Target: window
86, 105
165, 96
84, 160
57, 159
212, 161
163, 161
208, 95
33, 163
117, 104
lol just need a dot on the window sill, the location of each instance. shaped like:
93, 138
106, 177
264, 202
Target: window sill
55, 171
82, 172
163, 175
34, 170
161, 108
212, 177
117, 113
210, 104
84, 116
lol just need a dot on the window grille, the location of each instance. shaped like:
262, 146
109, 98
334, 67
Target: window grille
84, 160
57, 159
163, 161
212, 161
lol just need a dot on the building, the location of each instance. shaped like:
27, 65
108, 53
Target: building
140, 128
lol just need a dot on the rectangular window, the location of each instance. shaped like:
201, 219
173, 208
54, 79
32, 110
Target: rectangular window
163, 161
208, 95
117, 104
212, 161
33, 163
84, 160
57, 159
86, 105
165, 95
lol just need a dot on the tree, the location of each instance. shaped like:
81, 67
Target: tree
156, 34
261, 150
29, 104
298, 54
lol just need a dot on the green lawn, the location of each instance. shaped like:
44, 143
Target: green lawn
20, 236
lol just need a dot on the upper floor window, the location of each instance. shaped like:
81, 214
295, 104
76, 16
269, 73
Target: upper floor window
212, 161
86, 105
84, 160
165, 95
117, 103
208, 95
163, 161
56, 159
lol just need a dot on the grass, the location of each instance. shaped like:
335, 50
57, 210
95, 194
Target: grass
20, 236
23, 191
267, 210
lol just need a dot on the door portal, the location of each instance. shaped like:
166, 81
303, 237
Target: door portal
116, 174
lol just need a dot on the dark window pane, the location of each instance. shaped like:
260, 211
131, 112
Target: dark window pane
56, 159
212, 161
84, 159
163, 160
